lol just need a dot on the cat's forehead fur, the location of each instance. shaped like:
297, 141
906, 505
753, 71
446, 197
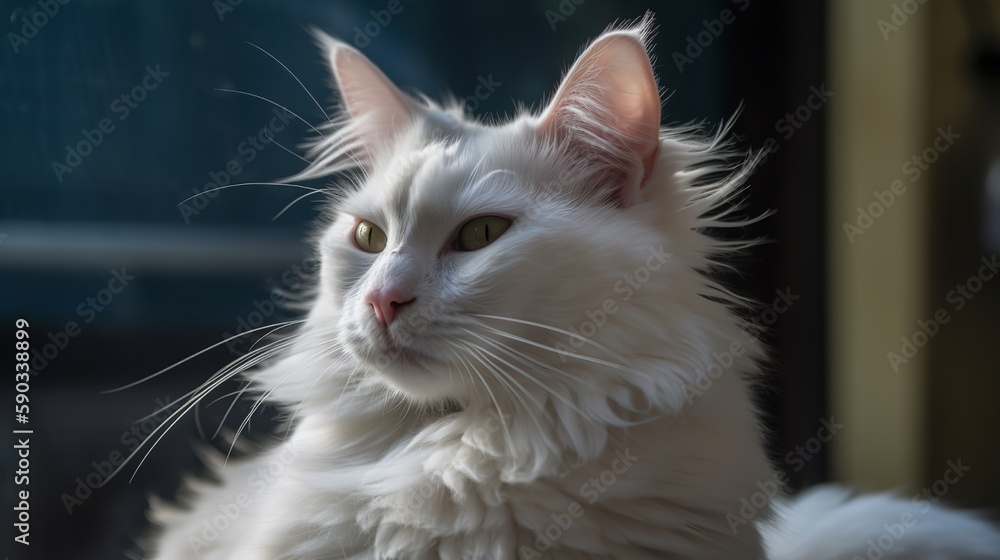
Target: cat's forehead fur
438, 171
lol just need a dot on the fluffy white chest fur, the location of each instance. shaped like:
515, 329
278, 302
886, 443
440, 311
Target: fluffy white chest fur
516, 350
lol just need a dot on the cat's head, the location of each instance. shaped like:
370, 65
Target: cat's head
550, 263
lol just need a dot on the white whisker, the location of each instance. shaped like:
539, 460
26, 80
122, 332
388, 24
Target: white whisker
527, 375
558, 330
566, 353
292, 203
271, 139
278, 105
296, 79
500, 416
205, 192
267, 393
196, 354
477, 353
173, 419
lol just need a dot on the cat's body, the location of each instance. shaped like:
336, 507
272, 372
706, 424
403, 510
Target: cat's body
444, 406
406, 513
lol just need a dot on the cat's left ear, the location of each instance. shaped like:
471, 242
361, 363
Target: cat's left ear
374, 104
608, 109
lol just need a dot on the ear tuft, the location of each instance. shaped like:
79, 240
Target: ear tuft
373, 105
608, 109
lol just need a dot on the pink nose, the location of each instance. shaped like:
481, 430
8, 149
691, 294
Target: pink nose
386, 302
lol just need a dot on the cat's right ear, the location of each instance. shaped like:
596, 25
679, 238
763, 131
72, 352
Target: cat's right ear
607, 109
375, 107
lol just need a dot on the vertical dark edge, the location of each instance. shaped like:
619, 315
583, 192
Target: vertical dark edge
777, 53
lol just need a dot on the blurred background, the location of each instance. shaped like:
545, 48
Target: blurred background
881, 121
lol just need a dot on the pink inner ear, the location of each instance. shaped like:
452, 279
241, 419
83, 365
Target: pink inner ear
366, 90
377, 107
608, 107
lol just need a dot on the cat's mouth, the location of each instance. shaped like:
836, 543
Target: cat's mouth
390, 353
406, 364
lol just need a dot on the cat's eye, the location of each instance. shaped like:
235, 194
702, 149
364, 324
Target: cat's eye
369, 237
480, 232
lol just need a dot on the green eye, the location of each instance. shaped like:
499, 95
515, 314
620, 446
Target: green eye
369, 237
480, 232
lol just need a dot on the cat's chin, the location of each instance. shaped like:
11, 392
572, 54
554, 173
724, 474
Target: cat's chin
414, 373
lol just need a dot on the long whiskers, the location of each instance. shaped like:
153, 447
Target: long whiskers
570, 334
205, 192
582, 357
195, 396
172, 419
199, 353
296, 79
267, 393
511, 352
292, 203
500, 417
237, 362
275, 103
500, 375
237, 395
271, 139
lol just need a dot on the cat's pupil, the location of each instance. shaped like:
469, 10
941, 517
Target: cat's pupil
480, 232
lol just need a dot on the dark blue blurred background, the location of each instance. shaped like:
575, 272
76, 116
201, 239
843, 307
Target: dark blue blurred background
120, 277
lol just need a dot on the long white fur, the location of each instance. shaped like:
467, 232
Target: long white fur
476, 425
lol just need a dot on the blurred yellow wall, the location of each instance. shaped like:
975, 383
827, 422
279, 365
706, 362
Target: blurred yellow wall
901, 73
877, 286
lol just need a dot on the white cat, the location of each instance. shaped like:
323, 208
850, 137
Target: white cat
507, 354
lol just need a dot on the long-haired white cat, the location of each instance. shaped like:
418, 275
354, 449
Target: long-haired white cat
507, 353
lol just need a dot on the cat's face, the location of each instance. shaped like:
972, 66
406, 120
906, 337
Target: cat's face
528, 264
445, 237
439, 232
